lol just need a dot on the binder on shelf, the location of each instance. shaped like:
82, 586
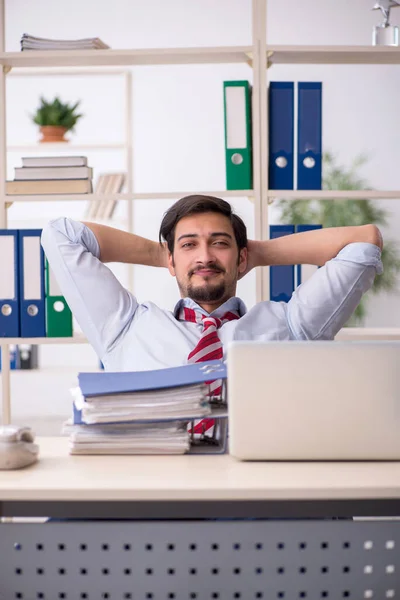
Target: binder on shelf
281, 277
58, 313
14, 357
238, 144
304, 272
9, 284
28, 356
309, 138
281, 135
32, 288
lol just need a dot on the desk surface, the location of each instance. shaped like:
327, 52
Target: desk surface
59, 476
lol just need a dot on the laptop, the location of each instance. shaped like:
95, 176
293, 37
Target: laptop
314, 400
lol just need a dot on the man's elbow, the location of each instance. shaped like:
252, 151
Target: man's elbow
373, 235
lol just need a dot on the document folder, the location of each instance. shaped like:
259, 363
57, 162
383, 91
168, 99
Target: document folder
309, 138
9, 284
281, 277
304, 272
150, 399
31, 275
281, 135
238, 144
104, 384
58, 313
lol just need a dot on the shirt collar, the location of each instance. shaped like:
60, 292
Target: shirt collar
233, 303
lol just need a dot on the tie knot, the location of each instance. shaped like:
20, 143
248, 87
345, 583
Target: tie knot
211, 322
195, 316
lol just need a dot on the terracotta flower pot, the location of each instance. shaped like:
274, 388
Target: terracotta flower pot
53, 133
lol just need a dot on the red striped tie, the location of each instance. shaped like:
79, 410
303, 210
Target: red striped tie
209, 347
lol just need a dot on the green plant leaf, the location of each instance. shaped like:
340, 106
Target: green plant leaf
57, 113
342, 212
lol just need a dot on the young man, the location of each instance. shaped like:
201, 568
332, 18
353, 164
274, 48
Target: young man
207, 250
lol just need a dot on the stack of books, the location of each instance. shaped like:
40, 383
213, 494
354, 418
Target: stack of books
29, 42
52, 175
147, 412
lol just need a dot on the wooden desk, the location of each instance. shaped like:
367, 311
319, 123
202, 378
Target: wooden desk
160, 540
61, 485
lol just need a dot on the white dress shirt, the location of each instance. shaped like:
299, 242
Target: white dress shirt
132, 336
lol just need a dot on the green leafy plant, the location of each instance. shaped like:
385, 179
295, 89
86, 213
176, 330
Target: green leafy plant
57, 113
341, 212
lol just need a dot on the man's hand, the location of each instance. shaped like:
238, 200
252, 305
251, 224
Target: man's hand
254, 255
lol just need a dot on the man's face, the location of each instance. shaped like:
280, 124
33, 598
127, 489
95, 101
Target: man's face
206, 260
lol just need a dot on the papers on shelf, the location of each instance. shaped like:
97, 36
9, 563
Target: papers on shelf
30, 42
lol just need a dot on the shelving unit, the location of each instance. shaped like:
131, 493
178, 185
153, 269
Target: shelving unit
259, 56
125, 147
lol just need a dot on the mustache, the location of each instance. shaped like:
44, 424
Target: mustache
210, 266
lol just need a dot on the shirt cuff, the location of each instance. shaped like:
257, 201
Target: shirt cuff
362, 253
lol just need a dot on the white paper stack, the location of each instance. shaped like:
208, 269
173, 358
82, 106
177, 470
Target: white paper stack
176, 403
169, 437
29, 42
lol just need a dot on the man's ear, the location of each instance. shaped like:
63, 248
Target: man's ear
242, 261
171, 264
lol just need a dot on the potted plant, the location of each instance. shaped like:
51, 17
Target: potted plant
55, 119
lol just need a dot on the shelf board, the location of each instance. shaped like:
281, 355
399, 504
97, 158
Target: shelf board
136, 196
143, 57
75, 339
334, 55
301, 55
334, 194
63, 146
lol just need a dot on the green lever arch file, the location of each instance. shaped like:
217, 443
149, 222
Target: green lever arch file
58, 313
238, 144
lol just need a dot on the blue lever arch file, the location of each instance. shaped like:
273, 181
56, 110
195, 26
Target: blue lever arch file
304, 272
281, 135
309, 138
103, 384
32, 288
281, 277
9, 284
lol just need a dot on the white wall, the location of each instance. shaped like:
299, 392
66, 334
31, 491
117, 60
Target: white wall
178, 114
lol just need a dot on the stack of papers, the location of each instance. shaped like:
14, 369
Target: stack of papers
146, 412
29, 42
170, 437
182, 403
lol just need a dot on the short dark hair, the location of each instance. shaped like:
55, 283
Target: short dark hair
196, 204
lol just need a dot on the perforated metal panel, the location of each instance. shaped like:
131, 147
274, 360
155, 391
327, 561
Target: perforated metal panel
161, 560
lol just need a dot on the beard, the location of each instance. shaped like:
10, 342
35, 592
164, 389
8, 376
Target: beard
206, 293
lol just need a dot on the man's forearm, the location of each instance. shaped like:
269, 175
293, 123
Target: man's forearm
121, 246
314, 247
